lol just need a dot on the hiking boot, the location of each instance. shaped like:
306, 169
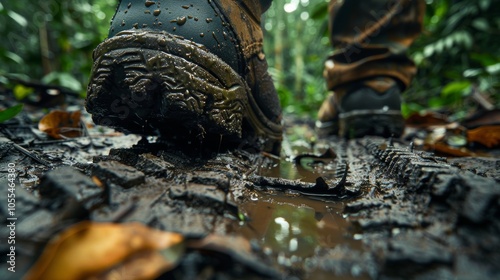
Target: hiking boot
186, 70
370, 107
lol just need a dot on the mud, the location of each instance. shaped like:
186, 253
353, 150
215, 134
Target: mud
360, 209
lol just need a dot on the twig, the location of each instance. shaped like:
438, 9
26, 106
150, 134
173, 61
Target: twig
481, 100
49, 142
31, 155
86, 132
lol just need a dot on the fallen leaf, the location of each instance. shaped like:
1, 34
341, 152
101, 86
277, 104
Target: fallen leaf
426, 119
446, 150
236, 248
488, 136
11, 112
483, 118
104, 250
61, 124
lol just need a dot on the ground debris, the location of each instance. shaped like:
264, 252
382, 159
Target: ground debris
118, 173
373, 209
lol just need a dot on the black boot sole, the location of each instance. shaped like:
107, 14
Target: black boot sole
149, 82
359, 123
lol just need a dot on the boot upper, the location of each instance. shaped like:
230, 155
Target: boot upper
233, 32
229, 29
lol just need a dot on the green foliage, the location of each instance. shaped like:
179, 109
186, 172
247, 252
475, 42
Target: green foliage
52, 40
11, 112
459, 51
296, 43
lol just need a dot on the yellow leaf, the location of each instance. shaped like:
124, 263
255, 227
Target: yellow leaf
60, 124
101, 250
21, 92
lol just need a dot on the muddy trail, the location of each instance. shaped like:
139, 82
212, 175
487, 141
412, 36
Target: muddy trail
369, 208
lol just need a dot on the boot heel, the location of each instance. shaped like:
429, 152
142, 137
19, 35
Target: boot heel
359, 123
145, 82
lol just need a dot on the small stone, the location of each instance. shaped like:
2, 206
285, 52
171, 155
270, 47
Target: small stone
118, 173
150, 164
67, 182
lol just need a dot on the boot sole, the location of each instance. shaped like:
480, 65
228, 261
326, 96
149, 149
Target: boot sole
359, 123
156, 83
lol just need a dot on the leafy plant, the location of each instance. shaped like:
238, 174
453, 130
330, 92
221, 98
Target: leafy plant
459, 50
52, 41
11, 112
458, 53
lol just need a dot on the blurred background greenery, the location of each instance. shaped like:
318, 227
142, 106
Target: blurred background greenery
458, 55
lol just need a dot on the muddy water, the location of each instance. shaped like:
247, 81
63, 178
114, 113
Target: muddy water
292, 229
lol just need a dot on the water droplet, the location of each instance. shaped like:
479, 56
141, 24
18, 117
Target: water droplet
136, 25
215, 37
162, 41
147, 12
209, 20
202, 34
123, 23
358, 236
129, 5
254, 197
156, 12
181, 20
185, 6
149, 3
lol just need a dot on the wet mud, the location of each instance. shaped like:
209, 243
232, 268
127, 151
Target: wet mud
361, 209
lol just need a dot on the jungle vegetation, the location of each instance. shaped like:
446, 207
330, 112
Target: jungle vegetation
458, 54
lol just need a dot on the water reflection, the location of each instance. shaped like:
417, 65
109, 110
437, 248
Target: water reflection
293, 227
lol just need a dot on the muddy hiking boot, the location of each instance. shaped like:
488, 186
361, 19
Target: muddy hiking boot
368, 107
186, 70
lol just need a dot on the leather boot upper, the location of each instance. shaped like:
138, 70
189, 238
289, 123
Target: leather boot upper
230, 29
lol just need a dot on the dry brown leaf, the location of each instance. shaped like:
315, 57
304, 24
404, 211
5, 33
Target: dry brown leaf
446, 150
488, 136
61, 124
426, 119
226, 244
142, 265
101, 250
483, 118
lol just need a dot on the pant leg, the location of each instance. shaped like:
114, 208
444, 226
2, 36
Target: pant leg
265, 4
371, 38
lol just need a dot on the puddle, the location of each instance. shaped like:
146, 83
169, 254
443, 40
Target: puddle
292, 228
288, 170
307, 170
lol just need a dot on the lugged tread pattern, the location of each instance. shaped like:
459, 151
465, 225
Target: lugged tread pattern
157, 83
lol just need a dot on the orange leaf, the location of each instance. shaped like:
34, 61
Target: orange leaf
90, 249
488, 136
445, 150
61, 124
